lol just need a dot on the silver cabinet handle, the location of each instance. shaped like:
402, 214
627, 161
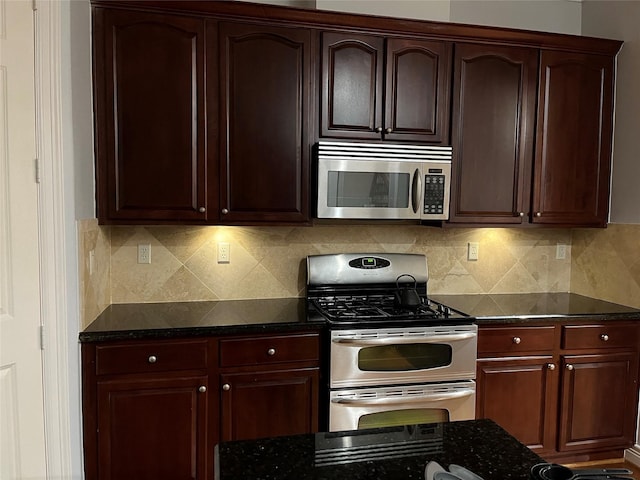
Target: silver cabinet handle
226, 387
379, 129
569, 366
202, 389
551, 366
604, 337
389, 130
516, 340
202, 209
152, 359
521, 214
225, 211
271, 352
538, 214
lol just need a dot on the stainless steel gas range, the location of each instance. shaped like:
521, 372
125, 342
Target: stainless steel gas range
396, 357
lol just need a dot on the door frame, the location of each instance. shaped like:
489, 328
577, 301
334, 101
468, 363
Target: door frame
58, 251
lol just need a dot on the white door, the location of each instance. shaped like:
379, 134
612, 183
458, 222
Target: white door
22, 434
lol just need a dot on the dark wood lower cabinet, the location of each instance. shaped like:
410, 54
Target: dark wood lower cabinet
519, 394
574, 400
152, 428
599, 400
267, 404
154, 410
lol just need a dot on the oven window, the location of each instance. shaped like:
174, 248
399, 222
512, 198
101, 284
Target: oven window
393, 418
368, 189
404, 357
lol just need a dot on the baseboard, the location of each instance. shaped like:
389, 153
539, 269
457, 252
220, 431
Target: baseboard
633, 454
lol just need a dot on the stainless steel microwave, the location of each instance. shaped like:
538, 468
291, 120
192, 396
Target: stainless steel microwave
383, 181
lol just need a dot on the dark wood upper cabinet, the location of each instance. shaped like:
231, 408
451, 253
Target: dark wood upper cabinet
150, 118
385, 88
265, 91
573, 147
494, 97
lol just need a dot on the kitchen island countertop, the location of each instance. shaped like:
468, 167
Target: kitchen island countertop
384, 453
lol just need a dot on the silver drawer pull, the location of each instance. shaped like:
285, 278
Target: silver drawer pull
551, 366
569, 366
271, 352
604, 337
152, 359
202, 389
516, 340
226, 387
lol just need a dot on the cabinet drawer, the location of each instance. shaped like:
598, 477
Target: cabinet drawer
599, 336
515, 340
148, 357
269, 350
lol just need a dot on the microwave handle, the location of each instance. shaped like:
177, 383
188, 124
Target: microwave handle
436, 397
398, 340
416, 190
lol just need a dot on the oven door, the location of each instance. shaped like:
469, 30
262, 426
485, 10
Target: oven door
393, 356
382, 189
357, 409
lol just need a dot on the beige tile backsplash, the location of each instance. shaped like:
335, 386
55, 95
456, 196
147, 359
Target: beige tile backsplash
268, 262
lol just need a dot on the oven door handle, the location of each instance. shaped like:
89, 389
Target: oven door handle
397, 340
467, 392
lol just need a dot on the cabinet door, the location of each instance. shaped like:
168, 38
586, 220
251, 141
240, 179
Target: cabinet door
352, 85
267, 404
152, 428
599, 400
573, 149
494, 96
520, 395
265, 91
417, 90
150, 120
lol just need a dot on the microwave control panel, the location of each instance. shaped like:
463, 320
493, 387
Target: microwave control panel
434, 193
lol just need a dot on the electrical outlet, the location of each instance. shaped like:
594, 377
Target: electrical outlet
224, 252
144, 253
472, 251
561, 251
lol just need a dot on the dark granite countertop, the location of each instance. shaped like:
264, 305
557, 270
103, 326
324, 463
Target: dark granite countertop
178, 319
384, 453
527, 307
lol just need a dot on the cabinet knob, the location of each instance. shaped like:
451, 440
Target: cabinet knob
152, 359
225, 211
389, 130
226, 387
379, 129
516, 340
202, 209
271, 352
521, 214
569, 366
604, 337
538, 214
202, 389
551, 366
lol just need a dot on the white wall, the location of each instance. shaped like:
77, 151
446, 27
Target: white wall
620, 19
558, 16
437, 10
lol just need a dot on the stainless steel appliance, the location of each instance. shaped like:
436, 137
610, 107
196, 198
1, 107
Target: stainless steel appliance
392, 361
383, 181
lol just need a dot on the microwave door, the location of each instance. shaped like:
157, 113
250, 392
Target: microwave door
368, 189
